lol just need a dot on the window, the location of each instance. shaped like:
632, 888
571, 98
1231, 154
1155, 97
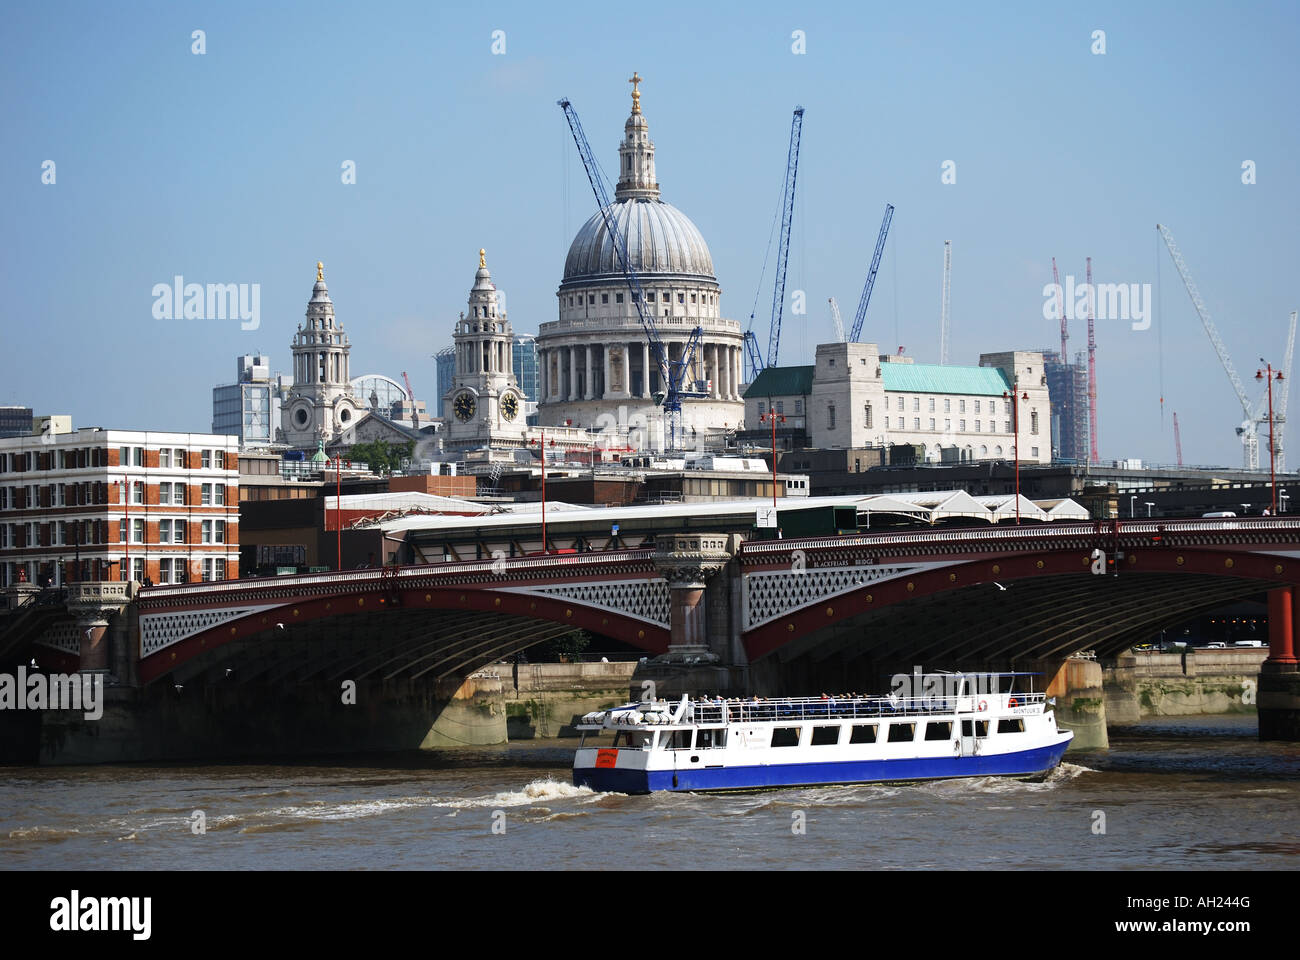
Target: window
164, 493
178, 458
932, 404
178, 531
826, 736
798, 408
902, 422
164, 531
1006, 407
137, 568
206, 532
978, 424
692, 298
830, 362
932, 423
916, 423
1033, 422
206, 460
762, 408
137, 492
981, 728
604, 298
710, 739
219, 530
181, 570
591, 299
178, 494
947, 405
165, 570
681, 298
676, 740
1033, 451
780, 406
205, 497
220, 568
1006, 426
962, 426
938, 730
961, 408
866, 415
901, 732
165, 457
830, 417
947, 425
137, 456
207, 568
121, 531
863, 733
916, 404
219, 494
618, 298
785, 737
137, 531
124, 456
1011, 725
650, 297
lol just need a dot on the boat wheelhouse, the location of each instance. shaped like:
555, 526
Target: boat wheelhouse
979, 726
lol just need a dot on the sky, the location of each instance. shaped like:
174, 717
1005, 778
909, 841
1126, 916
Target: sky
228, 166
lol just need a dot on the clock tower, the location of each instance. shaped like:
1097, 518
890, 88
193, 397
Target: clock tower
485, 407
320, 406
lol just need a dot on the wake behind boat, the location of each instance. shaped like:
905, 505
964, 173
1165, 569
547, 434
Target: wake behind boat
734, 744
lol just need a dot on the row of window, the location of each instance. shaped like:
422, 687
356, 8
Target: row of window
833, 735
778, 406
72, 532
82, 494
77, 458
173, 530
664, 297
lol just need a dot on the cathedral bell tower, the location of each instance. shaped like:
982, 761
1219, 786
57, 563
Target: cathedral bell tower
320, 405
485, 403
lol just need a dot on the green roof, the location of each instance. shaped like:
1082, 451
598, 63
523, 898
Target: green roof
782, 382
934, 378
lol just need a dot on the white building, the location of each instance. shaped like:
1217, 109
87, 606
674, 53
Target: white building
595, 366
855, 397
93, 504
249, 408
485, 407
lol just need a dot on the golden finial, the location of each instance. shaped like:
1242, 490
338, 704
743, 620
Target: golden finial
482, 258
636, 94
320, 270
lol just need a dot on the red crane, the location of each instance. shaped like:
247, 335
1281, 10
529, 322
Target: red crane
1092, 371
1178, 440
415, 415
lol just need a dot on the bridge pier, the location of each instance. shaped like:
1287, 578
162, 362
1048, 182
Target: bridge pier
1279, 675
92, 605
1080, 707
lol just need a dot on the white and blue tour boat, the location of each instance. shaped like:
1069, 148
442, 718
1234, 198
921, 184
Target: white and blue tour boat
705, 744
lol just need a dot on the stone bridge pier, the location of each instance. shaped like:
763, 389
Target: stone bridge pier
1279, 675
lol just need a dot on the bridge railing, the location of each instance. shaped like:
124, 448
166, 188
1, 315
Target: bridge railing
501, 568
832, 708
1046, 533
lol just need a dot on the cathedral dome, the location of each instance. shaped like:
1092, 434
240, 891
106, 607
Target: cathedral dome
661, 240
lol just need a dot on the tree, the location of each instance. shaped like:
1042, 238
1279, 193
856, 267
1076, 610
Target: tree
381, 456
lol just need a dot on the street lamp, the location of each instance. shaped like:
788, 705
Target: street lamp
541, 446
1150, 504
772, 418
1015, 425
1132, 501
125, 487
1269, 374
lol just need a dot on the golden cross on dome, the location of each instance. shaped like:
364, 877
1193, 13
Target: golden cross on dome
636, 94
482, 258
320, 270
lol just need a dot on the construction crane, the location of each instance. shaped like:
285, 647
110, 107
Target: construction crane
1249, 430
839, 322
415, 414
947, 299
1093, 456
1279, 408
1178, 440
671, 372
1060, 308
871, 274
783, 247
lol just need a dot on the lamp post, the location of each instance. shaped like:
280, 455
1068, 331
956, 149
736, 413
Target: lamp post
125, 487
541, 447
1132, 505
338, 513
1269, 374
1015, 426
1150, 504
773, 418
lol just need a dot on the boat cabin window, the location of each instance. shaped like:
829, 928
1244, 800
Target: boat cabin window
938, 730
710, 739
675, 740
901, 732
1012, 725
826, 736
632, 739
863, 733
785, 736
981, 728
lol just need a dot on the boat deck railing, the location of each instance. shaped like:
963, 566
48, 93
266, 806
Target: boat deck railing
833, 708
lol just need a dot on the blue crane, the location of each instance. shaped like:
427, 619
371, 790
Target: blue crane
871, 275
783, 249
671, 372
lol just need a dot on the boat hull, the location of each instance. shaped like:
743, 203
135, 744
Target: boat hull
1033, 762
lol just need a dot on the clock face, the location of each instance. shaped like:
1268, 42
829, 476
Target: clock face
463, 405
509, 406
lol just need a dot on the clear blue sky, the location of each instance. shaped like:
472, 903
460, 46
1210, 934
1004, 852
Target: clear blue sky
225, 168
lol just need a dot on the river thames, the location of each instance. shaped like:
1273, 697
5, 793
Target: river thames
1186, 793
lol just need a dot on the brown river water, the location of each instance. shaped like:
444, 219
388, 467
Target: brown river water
1189, 793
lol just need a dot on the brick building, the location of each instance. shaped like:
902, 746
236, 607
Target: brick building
76, 505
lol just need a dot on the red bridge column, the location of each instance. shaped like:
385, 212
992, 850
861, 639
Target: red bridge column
1281, 620
687, 561
1279, 675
